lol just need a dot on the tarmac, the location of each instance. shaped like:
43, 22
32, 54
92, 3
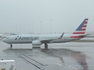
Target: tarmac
63, 56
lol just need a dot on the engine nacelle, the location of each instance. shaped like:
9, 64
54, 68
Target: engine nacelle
36, 43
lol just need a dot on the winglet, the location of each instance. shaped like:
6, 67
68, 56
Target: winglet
61, 36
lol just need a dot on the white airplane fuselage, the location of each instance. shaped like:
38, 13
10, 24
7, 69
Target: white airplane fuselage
29, 38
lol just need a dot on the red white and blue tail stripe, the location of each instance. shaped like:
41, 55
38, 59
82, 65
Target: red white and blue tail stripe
82, 27
80, 31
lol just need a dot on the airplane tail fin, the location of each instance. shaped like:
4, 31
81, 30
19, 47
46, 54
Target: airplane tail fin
82, 27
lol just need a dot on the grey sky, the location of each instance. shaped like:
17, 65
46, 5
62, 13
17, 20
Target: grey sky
25, 16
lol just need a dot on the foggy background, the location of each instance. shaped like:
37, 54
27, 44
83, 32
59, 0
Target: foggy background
44, 16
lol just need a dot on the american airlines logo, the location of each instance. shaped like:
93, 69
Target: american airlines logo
16, 37
26, 38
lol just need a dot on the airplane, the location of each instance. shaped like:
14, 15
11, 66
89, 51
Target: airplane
45, 39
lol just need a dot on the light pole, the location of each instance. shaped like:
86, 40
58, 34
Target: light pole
41, 27
50, 25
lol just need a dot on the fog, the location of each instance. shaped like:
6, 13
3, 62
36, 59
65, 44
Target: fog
44, 16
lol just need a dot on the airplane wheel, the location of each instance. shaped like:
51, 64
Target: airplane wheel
11, 46
46, 46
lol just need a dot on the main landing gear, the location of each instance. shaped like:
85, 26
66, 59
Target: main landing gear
46, 46
10, 46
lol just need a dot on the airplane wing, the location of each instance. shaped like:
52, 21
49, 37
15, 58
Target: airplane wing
50, 40
42, 41
46, 41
